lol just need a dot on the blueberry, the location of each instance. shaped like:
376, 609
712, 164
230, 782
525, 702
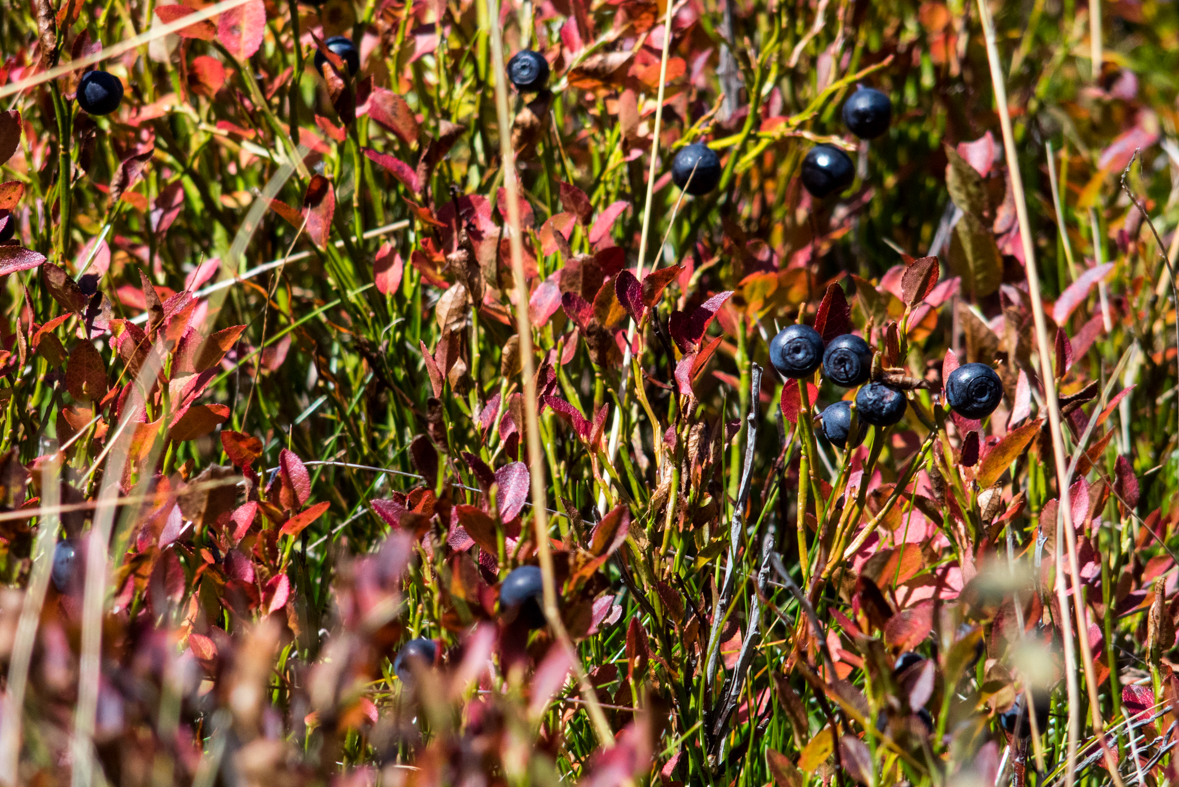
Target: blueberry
1017, 715
797, 351
847, 361
342, 47
99, 93
65, 559
974, 390
906, 660
867, 113
523, 590
420, 651
827, 170
7, 226
696, 167
880, 405
528, 71
837, 425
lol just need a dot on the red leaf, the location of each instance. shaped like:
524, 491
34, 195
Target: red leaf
629, 292
436, 378
545, 301
513, 482
388, 268
527, 218
610, 533
1126, 484
396, 167
577, 309
834, 315
949, 364
1115, 157
197, 420
14, 259
576, 202
980, 153
656, 281
278, 590
605, 221
203, 31
197, 353
85, 376
919, 279
906, 629
555, 232
1064, 352
425, 458
242, 449
296, 524
10, 130
391, 111
1113, 403
571, 414
1078, 291
1139, 701
702, 316
790, 402
319, 205
295, 476
167, 205
683, 374
241, 29
242, 518
330, 129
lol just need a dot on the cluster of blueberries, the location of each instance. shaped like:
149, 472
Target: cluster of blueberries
973, 390
826, 169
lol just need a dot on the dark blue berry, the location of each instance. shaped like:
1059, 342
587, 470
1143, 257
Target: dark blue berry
880, 405
528, 71
906, 660
1015, 719
847, 361
418, 651
523, 591
696, 169
867, 113
65, 559
797, 351
7, 226
343, 48
837, 425
827, 170
974, 390
99, 93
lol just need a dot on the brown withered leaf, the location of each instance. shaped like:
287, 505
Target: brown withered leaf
10, 194
63, 289
965, 185
1010, 448
975, 257
981, 342
919, 279
85, 376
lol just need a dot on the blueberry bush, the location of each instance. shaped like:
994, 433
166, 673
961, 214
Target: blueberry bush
537, 392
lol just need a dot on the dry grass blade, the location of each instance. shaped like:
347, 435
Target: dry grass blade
1044, 346
528, 371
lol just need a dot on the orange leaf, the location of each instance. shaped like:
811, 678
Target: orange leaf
296, 524
319, 205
